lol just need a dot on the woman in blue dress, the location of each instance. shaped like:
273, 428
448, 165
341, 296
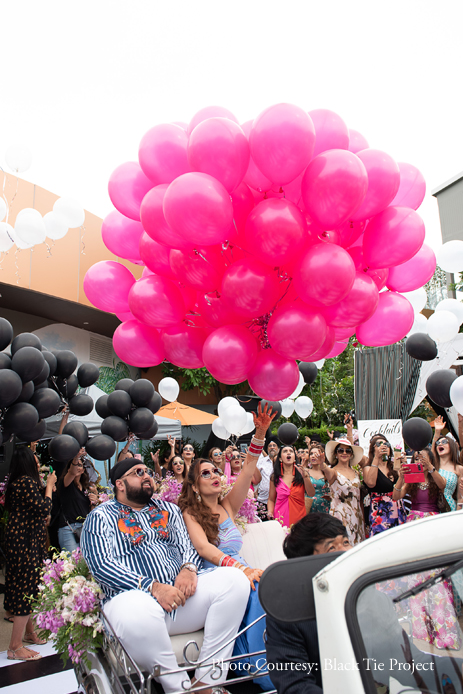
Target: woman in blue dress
209, 519
322, 500
447, 455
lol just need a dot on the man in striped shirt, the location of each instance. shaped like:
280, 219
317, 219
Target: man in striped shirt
154, 586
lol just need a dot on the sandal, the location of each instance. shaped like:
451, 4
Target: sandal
33, 656
9, 619
33, 638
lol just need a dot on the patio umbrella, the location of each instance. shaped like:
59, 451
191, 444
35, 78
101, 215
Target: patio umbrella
187, 416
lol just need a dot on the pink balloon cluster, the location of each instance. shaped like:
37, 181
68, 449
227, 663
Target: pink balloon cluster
262, 244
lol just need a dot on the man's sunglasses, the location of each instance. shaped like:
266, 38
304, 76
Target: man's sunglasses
207, 474
140, 472
343, 450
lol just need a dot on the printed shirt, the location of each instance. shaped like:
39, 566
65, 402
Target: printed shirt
265, 465
122, 545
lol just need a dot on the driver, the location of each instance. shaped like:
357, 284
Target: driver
139, 551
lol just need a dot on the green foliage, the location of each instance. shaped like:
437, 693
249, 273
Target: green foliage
109, 376
201, 379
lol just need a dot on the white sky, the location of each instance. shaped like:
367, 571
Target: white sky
82, 81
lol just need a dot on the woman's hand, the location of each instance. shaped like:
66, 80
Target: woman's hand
265, 417
155, 457
51, 480
303, 471
330, 434
307, 440
171, 441
439, 424
253, 575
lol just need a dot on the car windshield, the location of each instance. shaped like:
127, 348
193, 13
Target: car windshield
416, 642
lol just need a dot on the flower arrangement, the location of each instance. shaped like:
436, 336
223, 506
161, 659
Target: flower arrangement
169, 489
3, 486
68, 605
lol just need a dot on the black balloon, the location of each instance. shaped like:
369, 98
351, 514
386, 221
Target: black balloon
41, 385
46, 401
1, 438
66, 363
10, 387
309, 371
5, 361
124, 384
101, 447
28, 362
63, 448
26, 393
88, 374
81, 405
21, 417
417, 433
101, 407
420, 346
288, 433
34, 434
151, 433
120, 403
115, 427
78, 430
25, 340
68, 386
6, 334
155, 403
51, 361
141, 420
274, 404
438, 386
43, 375
141, 392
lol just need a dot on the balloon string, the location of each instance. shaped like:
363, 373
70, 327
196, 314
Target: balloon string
14, 196
5, 199
16, 274
48, 250
400, 371
206, 296
2, 258
82, 234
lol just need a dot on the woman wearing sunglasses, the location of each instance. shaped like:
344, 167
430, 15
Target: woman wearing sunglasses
177, 468
447, 454
379, 476
345, 486
209, 520
188, 455
76, 497
322, 500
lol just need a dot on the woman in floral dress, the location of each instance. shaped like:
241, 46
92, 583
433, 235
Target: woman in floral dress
379, 476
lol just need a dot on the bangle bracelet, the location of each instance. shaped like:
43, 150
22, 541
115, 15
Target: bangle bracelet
399, 489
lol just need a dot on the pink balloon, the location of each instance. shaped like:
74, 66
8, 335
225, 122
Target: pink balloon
215, 312
349, 232
243, 203
326, 347
282, 141
357, 307
184, 346
121, 235
154, 222
163, 153
275, 231
324, 275
219, 147
391, 321
412, 187
156, 301
296, 331
138, 345
337, 349
292, 190
356, 141
107, 285
198, 208
273, 377
251, 288
393, 237
189, 295
125, 316
334, 186
146, 272
414, 273
127, 187
383, 183
254, 177
210, 112
229, 353
343, 333
379, 277
156, 257
330, 131
202, 268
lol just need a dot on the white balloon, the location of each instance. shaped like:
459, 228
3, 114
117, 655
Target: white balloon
418, 298
249, 426
18, 158
169, 389
56, 227
287, 407
452, 305
70, 211
20, 244
420, 325
442, 326
450, 256
319, 364
219, 429
235, 419
224, 404
303, 406
299, 387
30, 227
456, 394
6, 237
3, 209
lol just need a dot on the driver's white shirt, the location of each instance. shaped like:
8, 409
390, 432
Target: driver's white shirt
265, 465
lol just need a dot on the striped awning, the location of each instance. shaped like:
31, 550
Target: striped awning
386, 379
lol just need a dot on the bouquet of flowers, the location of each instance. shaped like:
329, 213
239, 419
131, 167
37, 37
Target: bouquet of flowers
169, 489
3, 486
68, 605
248, 511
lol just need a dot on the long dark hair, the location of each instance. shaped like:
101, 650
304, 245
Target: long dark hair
84, 479
278, 469
454, 450
412, 489
188, 502
23, 464
390, 464
170, 466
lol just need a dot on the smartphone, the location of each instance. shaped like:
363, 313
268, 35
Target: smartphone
243, 448
397, 459
416, 473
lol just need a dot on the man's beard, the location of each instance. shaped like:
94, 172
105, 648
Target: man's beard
139, 495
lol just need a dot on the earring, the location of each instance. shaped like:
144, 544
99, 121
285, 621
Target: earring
198, 497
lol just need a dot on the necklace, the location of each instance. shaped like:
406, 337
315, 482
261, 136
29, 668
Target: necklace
423, 486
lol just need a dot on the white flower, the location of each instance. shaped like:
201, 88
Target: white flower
333, 411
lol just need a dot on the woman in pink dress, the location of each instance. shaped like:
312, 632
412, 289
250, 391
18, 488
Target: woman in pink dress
288, 485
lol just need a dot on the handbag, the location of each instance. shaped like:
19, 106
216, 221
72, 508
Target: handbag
443, 504
77, 532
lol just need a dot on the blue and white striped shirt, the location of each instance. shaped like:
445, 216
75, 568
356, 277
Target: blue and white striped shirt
126, 549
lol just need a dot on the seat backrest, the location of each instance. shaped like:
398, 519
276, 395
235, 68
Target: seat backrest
263, 544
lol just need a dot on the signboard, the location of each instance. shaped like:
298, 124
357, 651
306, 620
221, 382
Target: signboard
391, 429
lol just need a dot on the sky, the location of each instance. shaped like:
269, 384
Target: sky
83, 81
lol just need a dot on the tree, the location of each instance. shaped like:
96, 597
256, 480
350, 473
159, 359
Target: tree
202, 379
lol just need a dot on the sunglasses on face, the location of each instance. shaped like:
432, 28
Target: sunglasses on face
381, 443
140, 472
207, 474
343, 450
179, 462
235, 457
217, 454
79, 464
188, 448
442, 442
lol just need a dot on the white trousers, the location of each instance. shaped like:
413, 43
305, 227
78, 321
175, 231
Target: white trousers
144, 628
